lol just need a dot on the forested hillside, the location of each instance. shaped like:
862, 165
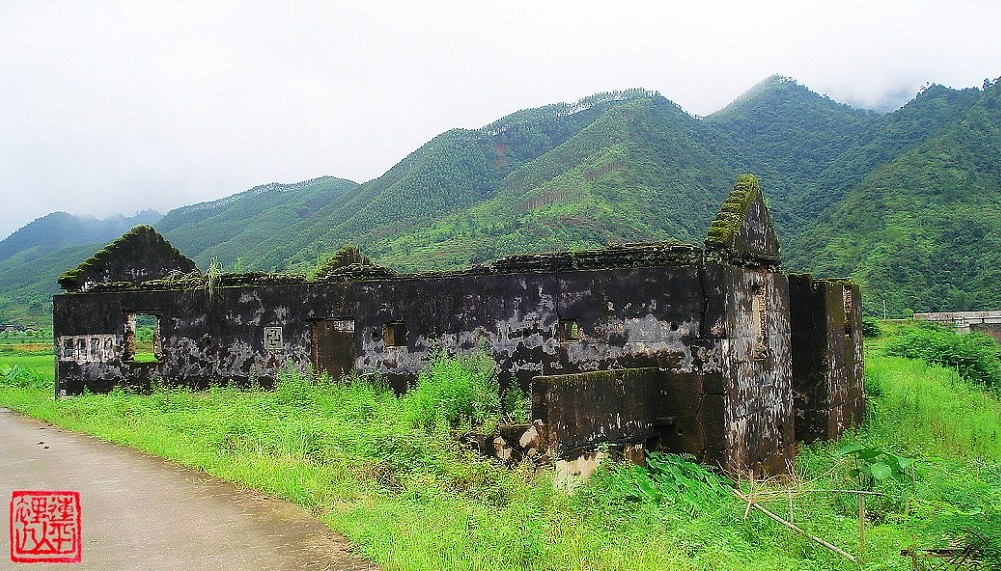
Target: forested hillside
232, 229
905, 202
30, 255
923, 230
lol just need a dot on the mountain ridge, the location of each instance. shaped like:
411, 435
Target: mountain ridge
626, 165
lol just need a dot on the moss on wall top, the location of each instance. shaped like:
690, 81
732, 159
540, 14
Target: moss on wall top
348, 255
139, 255
742, 233
663, 253
723, 230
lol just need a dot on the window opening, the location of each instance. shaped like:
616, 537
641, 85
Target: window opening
848, 310
394, 334
759, 322
569, 330
142, 338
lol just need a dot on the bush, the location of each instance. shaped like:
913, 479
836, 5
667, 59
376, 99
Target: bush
870, 327
18, 377
975, 356
453, 392
294, 389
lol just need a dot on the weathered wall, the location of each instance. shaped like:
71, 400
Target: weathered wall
662, 344
718, 385
637, 317
644, 316
757, 374
828, 367
582, 410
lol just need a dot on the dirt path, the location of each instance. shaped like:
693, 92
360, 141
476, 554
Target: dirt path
141, 512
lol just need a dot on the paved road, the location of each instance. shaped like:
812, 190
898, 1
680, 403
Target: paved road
141, 512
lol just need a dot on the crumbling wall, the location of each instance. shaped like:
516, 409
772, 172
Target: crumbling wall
827, 361
203, 338
645, 317
579, 411
512, 316
139, 255
628, 318
662, 344
757, 373
716, 384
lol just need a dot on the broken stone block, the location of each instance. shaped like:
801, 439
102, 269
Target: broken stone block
635, 453
503, 450
570, 473
530, 438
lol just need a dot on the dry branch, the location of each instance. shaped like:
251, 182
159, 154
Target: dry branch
753, 504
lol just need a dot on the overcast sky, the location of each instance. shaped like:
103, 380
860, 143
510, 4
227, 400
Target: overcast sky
120, 106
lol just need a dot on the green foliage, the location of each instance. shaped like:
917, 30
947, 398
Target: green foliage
674, 478
517, 405
870, 327
17, 376
975, 356
874, 464
454, 392
212, 277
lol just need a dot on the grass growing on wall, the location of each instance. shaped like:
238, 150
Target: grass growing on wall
409, 498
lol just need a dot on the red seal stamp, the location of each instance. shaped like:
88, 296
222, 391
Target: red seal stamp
45, 527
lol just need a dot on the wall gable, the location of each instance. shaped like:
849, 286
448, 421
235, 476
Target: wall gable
742, 233
139, 255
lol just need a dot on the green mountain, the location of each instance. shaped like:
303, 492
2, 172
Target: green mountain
232, 229
905, 202
788, 136
922, 231
30, 255
61, 229
637, 172
453, 172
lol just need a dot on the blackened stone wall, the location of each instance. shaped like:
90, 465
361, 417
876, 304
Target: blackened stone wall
827, 359
624, 317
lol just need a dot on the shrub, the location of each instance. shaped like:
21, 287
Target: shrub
870, 327
454, 391
975, 356
18, 377
294, 389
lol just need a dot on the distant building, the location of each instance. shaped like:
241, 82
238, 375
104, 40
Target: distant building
711, 351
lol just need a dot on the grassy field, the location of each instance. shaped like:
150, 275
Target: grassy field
41, 363
369, 465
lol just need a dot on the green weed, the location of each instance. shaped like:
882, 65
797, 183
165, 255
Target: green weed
18, 376
365, 461
454, 392
975, 356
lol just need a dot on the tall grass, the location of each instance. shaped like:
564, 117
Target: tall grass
930, 410
463, 391
366, 463
975, 356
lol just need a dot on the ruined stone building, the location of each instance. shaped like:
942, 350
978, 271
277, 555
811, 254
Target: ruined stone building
711, 351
